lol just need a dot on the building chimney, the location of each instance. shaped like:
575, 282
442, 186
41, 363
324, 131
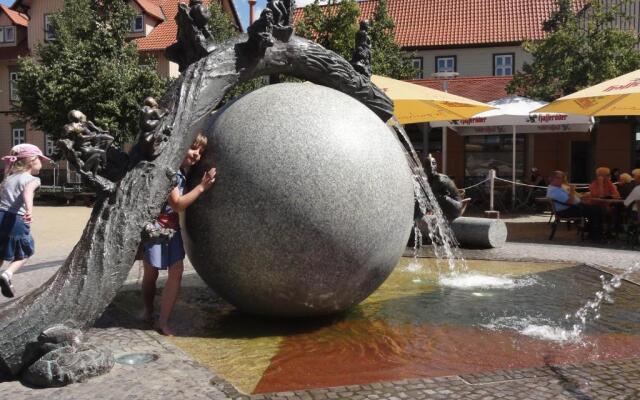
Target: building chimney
252, 4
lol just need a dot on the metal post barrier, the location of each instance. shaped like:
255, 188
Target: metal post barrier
491, 213
492, 185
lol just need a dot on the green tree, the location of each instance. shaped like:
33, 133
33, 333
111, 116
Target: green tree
222, 28
333, 25
220, 24
89, 66
579, 51
387, 57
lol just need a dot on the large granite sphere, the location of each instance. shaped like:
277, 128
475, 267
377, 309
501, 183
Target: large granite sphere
312, 206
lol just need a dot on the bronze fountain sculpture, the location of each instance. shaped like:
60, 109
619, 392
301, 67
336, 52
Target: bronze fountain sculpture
42, 325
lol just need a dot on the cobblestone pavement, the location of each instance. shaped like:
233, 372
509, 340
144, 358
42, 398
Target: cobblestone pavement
174, 375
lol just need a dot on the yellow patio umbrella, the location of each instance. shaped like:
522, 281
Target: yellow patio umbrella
617, 96
415, 103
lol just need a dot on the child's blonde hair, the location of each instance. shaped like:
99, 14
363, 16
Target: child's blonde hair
200, 142
20, 165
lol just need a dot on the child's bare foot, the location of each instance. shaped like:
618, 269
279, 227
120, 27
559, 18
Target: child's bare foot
164, 330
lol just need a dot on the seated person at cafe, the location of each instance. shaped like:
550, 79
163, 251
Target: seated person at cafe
568, 205
632, 199
625, 185
635, 174
536, 178
602, 187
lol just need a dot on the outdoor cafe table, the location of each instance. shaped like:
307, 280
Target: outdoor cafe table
612, 208
602, 202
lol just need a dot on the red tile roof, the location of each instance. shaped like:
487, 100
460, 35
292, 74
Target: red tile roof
446, 23
151, 9
164, 34
15, 17
479, 88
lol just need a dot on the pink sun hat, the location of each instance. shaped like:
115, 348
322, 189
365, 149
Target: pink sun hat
24, 150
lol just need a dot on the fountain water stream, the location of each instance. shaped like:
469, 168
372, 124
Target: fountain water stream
445, 246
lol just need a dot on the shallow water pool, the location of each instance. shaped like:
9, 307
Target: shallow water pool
496, 316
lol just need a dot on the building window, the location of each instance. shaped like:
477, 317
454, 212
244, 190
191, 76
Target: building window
49, 145
137, 25
49, 30
446, 64
485, 152
13, 86
18, 136
503, 64
418, 67
9, 34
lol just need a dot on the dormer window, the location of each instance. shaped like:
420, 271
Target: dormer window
137, 25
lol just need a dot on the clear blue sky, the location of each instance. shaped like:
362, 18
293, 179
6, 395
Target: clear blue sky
241, 5
243, 9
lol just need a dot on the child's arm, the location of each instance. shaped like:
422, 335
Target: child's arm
180, 203
27, 195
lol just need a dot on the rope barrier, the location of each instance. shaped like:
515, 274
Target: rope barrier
534, 186
477, 184
520, 183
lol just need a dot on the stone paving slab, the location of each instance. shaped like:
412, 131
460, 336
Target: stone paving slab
172, 376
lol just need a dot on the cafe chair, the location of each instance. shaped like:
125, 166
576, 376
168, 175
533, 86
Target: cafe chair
557, 219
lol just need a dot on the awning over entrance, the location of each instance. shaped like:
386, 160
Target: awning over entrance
517, 111
512, 115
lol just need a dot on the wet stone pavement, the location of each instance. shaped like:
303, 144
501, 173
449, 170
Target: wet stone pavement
174, 375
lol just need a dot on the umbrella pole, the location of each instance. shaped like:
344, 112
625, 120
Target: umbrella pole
513, 168
444, 150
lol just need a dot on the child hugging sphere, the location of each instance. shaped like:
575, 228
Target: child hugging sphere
170, 255
16, 207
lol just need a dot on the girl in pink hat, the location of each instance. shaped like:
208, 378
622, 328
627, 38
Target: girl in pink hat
16, 206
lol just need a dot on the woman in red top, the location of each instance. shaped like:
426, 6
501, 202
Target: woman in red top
602, 187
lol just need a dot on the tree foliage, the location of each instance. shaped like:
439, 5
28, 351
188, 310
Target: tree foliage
334, 25
220, 24
579, 51
387, 58
89, 66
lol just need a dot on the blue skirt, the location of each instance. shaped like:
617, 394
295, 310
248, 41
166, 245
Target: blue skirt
162, 256
16, 242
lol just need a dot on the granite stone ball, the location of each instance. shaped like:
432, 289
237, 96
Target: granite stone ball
312, 205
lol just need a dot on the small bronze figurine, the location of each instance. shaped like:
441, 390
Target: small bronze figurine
444, 189
90, 143
361, 60
281, 12
149, 141
260, 32
87, 148
194, 40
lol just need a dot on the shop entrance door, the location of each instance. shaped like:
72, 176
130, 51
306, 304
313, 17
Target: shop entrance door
580, 155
